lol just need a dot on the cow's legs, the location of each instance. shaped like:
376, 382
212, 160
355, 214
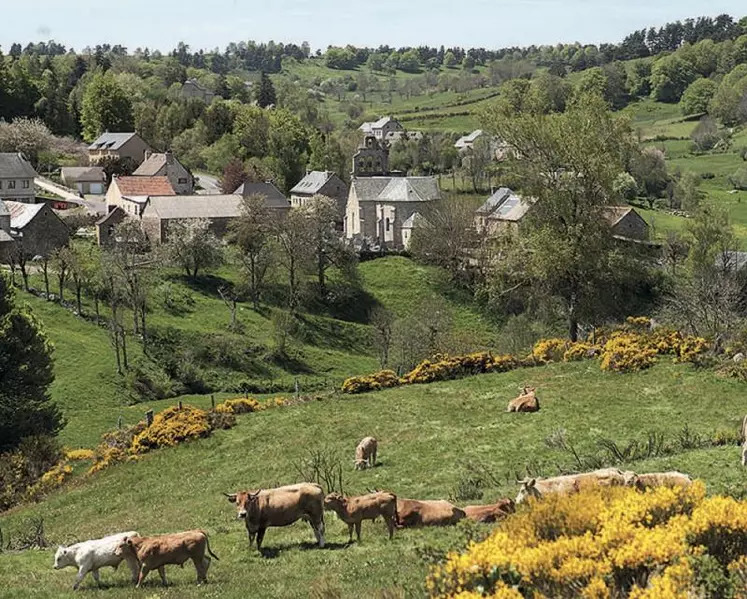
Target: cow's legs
260, 537
201, 565
251, 536
318, 528
141, 577
162, 572
350, 533
82, 571
95, 574
390, 523
358, 530
134, 566
373, 458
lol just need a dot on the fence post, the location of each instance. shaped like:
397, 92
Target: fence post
298, 389
149, 417
119, 423
212, 401
180, 406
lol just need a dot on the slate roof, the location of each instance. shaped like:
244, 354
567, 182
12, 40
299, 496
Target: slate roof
154, 164
494, 201
411, 222
109, 215
15, 166
367, 189
504, 205
466, 140
22, 214
111, 141
274, 198
312, 182
411, 189
144, 186
92, 174
615, 214
193, 206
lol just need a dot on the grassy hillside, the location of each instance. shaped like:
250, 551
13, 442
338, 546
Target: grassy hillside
324, 351
428, 436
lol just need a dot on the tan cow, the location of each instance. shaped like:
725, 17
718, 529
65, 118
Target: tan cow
526, 402
744, 441
365, 453
652, 480
153, 553
488, 514
570, 483
412, 513
353, 510
281, 506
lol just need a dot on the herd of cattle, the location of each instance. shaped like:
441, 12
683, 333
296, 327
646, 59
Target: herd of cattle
265, 508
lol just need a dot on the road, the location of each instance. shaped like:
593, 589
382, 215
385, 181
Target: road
93, 206
210, 185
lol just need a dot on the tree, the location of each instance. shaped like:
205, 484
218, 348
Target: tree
468, 63
568, 165
670, 77
234, 174
697, 96
106, 107
251, 233
476, 161
27, 372
409, 62
266, 91
116, 166
60, 262
726, 105
450, 60
294, 251
84, 259
706, 135
625, 187
326, 154
192, 246
30, 137
382, 322
288, 147
649, 168
375, 62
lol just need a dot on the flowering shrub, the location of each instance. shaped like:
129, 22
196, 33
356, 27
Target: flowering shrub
172, 426
445, 367
77, 455
601, 542
50, 480
239, 406
549, 350
580, 350
373, 382
627, 352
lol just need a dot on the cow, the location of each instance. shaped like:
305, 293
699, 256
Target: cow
488, 514
365, 454
744, 441
412, 513
90, 556
154, 553
281, 506
526, 402
353, 510
653, 480
570, 483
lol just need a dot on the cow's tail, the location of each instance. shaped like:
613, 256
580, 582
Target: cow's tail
207, 546
397, 523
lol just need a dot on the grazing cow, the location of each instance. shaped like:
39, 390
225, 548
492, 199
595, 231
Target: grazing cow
653, 480
89, 556
526, 402
153, 553
353, 510
365, 454
412, 513
744, 441
570, 483
280, 507
488, 514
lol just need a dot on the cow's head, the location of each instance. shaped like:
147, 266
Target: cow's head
630, 478
528, 489
63, 558
246, 502
125, 548
361, 464
528, 390
334, 501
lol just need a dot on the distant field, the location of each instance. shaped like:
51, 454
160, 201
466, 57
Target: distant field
429, 435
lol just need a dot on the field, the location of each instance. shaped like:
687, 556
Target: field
428, 436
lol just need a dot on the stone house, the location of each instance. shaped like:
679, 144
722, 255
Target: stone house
6, 240
162, 211
626, 223
324, 183
16, 178
86, 180
194, 89
371, 159
106, 226
381, 128
37, 228
118, 145
274, 198
166, 165
131, 193
378, 207
467, 141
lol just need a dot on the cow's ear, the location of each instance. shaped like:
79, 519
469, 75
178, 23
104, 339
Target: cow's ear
231, 497
532, 482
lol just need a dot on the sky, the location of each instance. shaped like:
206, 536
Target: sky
160, 24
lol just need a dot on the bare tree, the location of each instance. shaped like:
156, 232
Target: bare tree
382, 321
191, 245
295, 245
230, 296
60, 262
251, 234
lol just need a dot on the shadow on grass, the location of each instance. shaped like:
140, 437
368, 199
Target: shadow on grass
275, 551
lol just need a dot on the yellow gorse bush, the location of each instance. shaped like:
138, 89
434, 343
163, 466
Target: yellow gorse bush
549, 350
239, 406
172, 426
627, 352
601, 542
76, 455
372, 382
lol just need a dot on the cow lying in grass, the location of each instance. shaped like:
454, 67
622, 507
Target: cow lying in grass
653, 480
153, 553
90, 556
413, 513
487, 514
281, 506
353, 510
526, 402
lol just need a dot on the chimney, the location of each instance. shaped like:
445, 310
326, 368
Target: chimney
147, 154
169, 158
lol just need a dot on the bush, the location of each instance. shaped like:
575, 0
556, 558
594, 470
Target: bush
238, 406
581, 350
172, 426
606, 542
373, 382
739, 179
24, 467
444, 367
627, 352
549, 350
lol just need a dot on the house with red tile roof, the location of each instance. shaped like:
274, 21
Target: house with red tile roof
131, 193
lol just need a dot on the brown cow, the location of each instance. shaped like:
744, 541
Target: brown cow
365, 454
526, 402
412, 513
653, 480
153, 553
570, 483
488, 514
281, 506
353, 510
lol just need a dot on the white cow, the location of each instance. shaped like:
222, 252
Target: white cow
89, 556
